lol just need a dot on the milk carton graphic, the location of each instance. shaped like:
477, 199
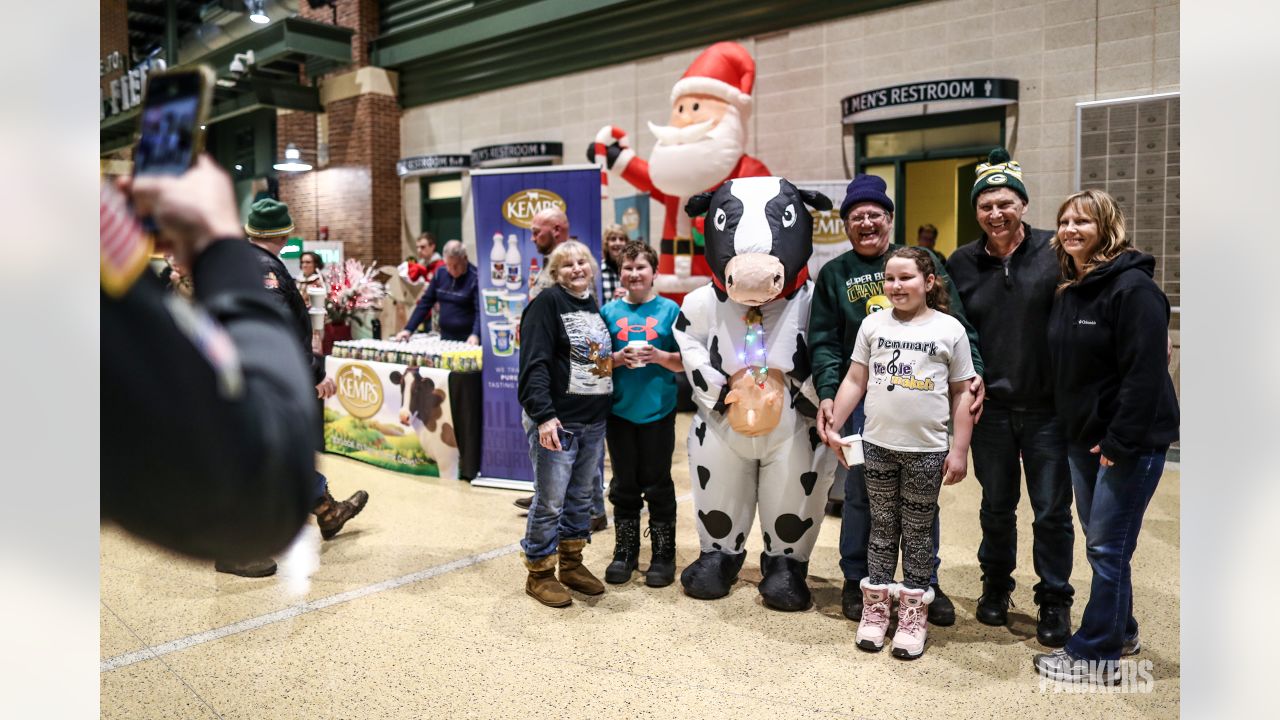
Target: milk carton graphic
497, 261
512, 262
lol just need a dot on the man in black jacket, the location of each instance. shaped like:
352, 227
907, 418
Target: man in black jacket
268, 227
1007, 278
209, 449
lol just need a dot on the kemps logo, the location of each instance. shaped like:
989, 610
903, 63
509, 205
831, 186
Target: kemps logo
520, 208
359, 390
828, 228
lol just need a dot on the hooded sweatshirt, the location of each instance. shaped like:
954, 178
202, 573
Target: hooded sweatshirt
1108, 338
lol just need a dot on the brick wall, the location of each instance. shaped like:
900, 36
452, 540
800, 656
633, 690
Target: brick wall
113, 29
1062, 51
357, 195
359, 15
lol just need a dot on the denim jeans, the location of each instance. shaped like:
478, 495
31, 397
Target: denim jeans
999, 439
563, 483
855, 516
320, 488
1111, 502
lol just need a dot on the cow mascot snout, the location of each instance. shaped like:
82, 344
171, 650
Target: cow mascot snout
754, 442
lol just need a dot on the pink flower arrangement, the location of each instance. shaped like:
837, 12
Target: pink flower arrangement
353, 293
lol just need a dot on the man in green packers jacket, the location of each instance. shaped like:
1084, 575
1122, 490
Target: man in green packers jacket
848, 288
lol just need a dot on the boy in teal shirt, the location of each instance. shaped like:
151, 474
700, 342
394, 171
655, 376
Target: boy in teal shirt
641, 432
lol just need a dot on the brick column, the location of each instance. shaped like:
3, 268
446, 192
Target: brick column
113, 32
357, 194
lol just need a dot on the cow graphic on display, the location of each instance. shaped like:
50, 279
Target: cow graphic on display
422, 407
754, 440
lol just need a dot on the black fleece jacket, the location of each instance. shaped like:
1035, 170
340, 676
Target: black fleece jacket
1108, 337
564, 368
1009, 307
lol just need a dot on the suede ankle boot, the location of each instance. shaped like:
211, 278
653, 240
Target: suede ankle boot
662, 565
913, 625
626, 551
542, 584
573, 574
874, 623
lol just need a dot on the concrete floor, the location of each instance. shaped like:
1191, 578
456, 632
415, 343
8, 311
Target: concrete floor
418, 610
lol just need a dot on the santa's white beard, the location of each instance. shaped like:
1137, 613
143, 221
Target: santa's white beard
687, 169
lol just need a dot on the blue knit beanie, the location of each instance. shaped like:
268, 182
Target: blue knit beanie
866, 188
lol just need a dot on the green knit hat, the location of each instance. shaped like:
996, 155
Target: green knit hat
998, 171
269, 219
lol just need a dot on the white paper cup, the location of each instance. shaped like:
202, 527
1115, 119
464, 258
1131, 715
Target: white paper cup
853, 450
638, 344
317, 297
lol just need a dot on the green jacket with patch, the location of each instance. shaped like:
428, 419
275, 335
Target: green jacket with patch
848, 288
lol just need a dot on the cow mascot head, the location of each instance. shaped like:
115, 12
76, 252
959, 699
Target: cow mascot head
758, 237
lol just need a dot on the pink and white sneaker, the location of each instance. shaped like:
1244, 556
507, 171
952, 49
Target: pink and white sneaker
874, 625
913, 623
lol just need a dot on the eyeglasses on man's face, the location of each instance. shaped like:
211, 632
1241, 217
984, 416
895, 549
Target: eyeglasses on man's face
873, 218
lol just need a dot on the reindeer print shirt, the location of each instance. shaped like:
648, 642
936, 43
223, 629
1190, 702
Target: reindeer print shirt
566, 370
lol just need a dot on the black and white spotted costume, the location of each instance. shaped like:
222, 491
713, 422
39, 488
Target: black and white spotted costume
787, 472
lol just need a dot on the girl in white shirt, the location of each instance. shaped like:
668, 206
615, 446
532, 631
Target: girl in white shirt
913, 364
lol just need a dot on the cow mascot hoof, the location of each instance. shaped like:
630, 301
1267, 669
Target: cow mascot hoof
783, 587
712, 575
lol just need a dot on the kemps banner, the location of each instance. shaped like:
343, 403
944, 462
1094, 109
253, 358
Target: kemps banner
504, 203
829, 240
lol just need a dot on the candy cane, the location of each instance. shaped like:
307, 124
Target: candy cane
607, 135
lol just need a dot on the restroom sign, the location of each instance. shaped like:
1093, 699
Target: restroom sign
928, 98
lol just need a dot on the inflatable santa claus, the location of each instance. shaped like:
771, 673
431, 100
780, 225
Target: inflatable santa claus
701, 146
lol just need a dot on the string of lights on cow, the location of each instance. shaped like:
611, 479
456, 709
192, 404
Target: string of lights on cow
753, 350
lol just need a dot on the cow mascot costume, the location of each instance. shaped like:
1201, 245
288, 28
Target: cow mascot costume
703, 144
753, 441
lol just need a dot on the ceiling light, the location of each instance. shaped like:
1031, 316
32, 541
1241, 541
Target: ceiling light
257, 12
292, 160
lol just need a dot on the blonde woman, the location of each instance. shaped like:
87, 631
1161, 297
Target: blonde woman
565, 389
1115, 399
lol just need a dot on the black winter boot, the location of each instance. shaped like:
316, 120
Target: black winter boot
1054, 628
851, 600
662, 565
626, 551
993, 606
712, 575
783, 587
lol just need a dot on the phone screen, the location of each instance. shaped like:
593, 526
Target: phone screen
169, 130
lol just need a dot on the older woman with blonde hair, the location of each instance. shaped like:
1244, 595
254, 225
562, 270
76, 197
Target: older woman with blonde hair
565, 389
1107, 342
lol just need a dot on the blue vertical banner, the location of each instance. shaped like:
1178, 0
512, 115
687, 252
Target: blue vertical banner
632, 213
504, 203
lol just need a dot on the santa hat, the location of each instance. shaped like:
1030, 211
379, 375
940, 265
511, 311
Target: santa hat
724, 70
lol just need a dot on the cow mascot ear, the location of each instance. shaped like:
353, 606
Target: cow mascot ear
699, 204
815, 199
395, 377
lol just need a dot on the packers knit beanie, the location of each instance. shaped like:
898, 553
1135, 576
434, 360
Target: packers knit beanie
998, 171
268, 218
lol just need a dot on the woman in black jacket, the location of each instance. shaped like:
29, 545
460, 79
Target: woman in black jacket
566, 390
1108, 335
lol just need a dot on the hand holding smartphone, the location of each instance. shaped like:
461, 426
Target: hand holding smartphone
175, 108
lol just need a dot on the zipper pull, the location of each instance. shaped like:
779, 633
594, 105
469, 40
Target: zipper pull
1007, 281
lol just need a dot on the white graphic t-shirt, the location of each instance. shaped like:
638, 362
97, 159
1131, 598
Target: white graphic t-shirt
909, 368
590, 369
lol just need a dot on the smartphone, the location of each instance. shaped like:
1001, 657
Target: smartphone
175, 108
566, 438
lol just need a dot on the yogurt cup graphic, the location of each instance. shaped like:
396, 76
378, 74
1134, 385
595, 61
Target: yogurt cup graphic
502, 335
515, 302
495, 304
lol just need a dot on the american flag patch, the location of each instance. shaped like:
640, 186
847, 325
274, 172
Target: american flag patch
125, 248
